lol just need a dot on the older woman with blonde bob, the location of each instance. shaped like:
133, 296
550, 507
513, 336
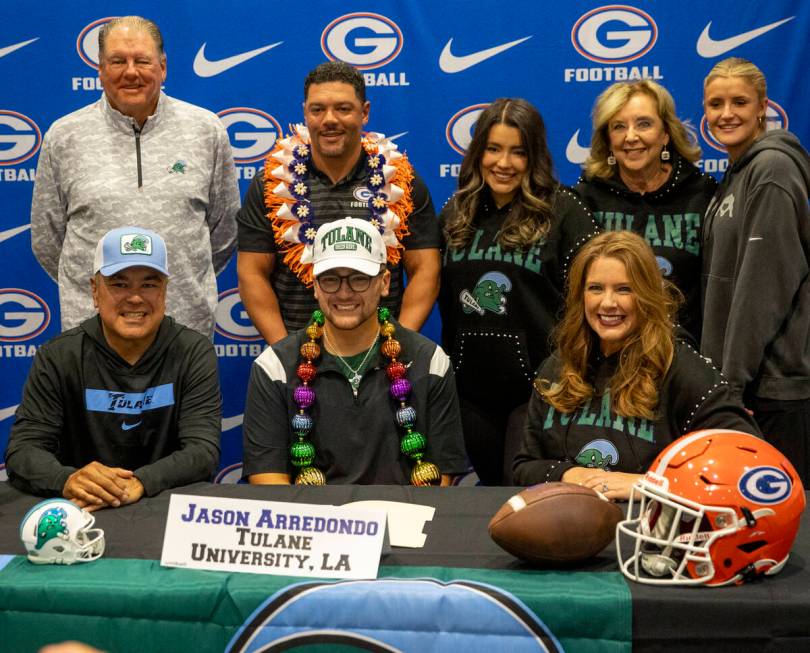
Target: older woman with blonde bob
620, 386
756, 266
641, 177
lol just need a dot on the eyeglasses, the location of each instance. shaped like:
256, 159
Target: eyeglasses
358, 282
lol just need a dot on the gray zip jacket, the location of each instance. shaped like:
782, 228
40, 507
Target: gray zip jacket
175, 175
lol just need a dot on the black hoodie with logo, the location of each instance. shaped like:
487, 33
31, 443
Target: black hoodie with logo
756, 271
160, 418
692, 395
669, 219
499, 307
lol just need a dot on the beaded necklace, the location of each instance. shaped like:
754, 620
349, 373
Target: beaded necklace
412, 443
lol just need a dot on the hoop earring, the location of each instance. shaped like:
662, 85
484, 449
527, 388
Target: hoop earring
665, 155
611, 160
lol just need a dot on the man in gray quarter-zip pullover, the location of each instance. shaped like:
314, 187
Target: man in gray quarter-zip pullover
136, 156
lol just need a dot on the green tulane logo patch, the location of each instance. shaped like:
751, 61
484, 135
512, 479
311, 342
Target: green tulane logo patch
136, 244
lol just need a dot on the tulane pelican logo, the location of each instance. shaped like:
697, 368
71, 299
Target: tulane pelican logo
598, 453
51, 524
489, 294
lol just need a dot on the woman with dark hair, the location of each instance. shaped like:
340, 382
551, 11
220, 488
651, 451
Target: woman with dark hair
509, 234
640, 176
620, 387
756, 265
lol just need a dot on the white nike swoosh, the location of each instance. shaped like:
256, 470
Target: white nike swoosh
205, 68
450, 63
129, 427
396, 136
574, 152
10, 233
10, 48
753, 238
5, 413
229, 423
708, 47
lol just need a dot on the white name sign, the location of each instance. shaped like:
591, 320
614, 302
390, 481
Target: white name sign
269, 537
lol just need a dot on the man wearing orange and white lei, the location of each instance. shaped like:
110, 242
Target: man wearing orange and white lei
327, 170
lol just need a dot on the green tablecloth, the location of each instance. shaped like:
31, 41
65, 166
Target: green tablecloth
133, 606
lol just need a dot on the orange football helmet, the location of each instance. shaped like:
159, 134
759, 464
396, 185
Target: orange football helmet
715, 508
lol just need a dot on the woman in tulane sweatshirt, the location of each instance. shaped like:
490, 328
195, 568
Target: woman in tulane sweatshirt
620, 385
756, 260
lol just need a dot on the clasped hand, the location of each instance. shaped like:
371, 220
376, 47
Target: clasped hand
96, 486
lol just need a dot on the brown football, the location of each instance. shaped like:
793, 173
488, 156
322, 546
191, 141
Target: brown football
555, 522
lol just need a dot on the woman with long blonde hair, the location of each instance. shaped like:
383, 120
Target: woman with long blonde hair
620, 386
509, 233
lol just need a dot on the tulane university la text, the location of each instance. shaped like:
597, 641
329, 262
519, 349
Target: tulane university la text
282, 550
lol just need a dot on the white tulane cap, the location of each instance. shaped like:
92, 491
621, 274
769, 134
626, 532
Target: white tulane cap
127, 247
348, 243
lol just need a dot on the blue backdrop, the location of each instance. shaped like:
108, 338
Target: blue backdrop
430, 67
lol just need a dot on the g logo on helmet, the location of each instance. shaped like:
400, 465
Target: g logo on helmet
20, 138
227, 323
261, 134
29, 316
460, 127
87, 43
765, 485
362, 39
614, 34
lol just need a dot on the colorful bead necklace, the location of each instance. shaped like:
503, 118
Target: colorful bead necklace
412, 443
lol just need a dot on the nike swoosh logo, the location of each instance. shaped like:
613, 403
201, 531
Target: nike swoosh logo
10, 233
10, 48
708, 47
574, 152
205, 68
229, 423
396, 136
5, 413
450, 63
753, 238
129, 427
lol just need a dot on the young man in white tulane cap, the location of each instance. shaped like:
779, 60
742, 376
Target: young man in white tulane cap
128, 402
353, 397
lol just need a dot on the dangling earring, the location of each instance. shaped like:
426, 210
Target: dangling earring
665, 153
760, 121
611, 160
